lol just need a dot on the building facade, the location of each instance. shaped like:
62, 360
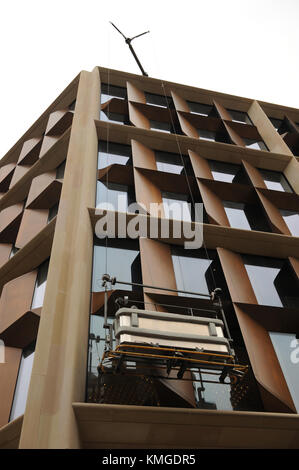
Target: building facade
117, 138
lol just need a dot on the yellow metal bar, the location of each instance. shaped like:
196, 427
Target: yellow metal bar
137, 346
236, 366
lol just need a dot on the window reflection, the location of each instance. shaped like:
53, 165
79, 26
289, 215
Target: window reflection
212, 396
157, 100
169, 162
14, 250
276, 122
96, 345
23, 381
240, 116
273, 281
236, 215
284, 345
213, 136
111, 91
176, 206
122, 260
228, 172
199, 108
53, 211
60, 170
275, 180
117, 118
40, 286
255, 144
191, 270
160, 126
113, 196
110, 153
291, 218
207, 135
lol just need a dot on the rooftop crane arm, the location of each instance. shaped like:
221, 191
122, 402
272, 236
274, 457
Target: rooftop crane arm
128, 41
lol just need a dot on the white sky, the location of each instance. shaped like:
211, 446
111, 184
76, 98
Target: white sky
243, 47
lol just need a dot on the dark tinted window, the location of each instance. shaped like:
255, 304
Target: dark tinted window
177, 206
246, 216
236, 215
40, 285
284, 345
273, 281
117, 118
240, 116
157, 100
254, 144
207, 135
192, 270
160, 126
60, 170
276, 122
23, 382
199, 108
275, 180
228, 172
213, 136
291, 218
113, 196
53, 211
169, 162
121, 259
111, 91
110, 153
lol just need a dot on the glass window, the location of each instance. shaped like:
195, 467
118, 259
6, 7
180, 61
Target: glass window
253, 144
291, 218
199, 108
273, 280
157, 100
284, 345
257, 218
236, 214
111, 91
110, 153
53, 212
240, 116
117, 195
96, 347
117, 118
122, 260
262, 278
275, 180
207, 135
223, 171
14, 250
191, 270
176, 206
72, 105
276, 122
23, 382
60, 170
169, 162
40, 286
160, 126
212, 396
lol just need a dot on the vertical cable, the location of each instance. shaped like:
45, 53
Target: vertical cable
184, 167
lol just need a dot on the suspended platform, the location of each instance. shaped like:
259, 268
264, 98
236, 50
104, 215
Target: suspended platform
145, 347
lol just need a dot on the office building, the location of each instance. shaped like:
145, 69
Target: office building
113, 136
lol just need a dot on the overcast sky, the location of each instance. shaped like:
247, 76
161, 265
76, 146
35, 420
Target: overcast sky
243, 47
